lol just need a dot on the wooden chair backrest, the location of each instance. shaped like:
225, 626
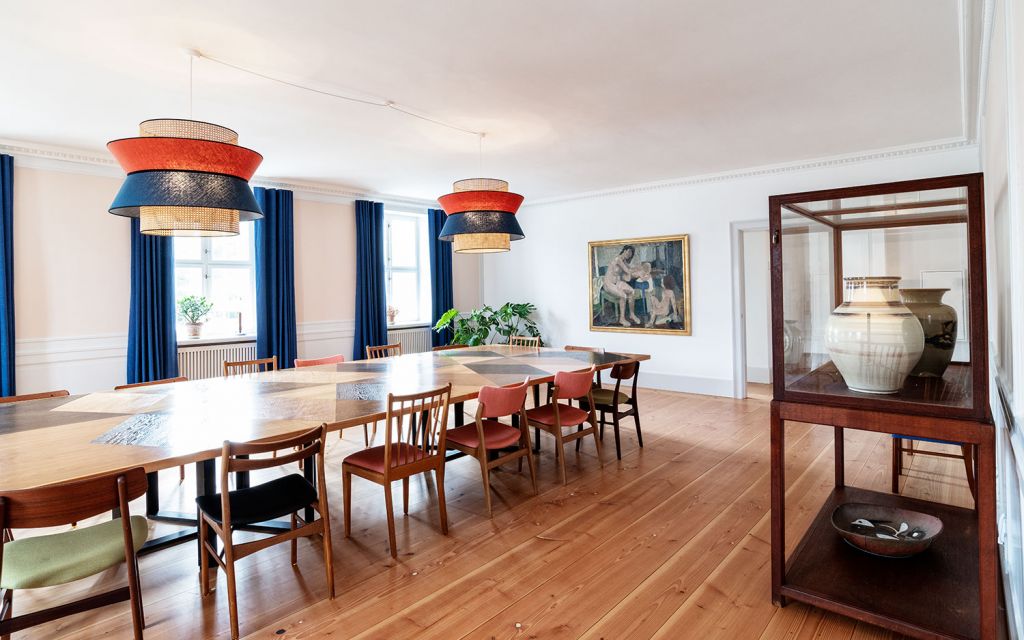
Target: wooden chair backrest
66, 502
524, 341
151, 383
313, 362
430, 409
305, 445
570, 347
498, 402
383, 351
625, 371
35, 396
570, 385
447, 347
259, 365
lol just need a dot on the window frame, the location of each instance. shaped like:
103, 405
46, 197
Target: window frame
206, 263
422, 268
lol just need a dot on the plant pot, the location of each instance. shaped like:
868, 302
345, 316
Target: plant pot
195, 329
874, 340
938, 321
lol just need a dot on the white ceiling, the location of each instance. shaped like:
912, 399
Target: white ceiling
576, 95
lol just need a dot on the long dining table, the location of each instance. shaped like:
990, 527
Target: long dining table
164, 426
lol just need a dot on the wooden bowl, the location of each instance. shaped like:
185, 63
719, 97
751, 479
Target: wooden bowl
885, 531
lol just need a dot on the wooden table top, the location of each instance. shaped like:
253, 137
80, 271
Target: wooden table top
159, 427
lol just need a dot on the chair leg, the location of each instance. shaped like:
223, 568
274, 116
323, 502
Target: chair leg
536, 439
229, 569
485, 473
7, 606
972, 479
639, 436
391, 520
579, 440
597, 443
533, 471
138, 589
181, 473
346, 490
442, 507
325, 517
294, 544
405, 495
204, 566
602, 422
618, 443
560, 453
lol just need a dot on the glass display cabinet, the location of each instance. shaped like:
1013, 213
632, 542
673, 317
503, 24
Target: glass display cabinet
879, 324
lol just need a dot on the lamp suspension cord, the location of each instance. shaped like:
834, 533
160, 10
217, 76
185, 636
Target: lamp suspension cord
190, 59
373, 102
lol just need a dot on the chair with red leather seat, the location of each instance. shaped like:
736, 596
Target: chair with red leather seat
556, 416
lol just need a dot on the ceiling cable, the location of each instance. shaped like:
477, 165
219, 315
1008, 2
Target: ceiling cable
387, 104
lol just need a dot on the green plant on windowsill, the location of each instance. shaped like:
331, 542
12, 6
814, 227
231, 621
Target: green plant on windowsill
193, 310
489, 325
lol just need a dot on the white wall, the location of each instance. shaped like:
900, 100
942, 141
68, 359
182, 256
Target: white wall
72, 279
549, 267
757, 296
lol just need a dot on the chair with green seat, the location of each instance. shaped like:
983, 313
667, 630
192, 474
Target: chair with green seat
60, 558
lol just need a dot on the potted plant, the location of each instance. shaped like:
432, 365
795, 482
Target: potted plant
193, 310
488, 325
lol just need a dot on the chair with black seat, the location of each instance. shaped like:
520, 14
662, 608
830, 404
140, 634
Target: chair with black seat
59, 558
617, 402
488, 436
414, 443
224, 512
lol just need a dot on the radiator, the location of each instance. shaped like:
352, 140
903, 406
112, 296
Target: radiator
413, 340
207, 360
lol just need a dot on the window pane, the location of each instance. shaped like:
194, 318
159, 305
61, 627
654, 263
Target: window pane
186, 248
405, 297
231, 293
233, 248
188, 281
403, 241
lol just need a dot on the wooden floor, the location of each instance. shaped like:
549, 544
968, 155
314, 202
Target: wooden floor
671, 542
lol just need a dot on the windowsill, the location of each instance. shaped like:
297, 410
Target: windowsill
205, 341
411, 325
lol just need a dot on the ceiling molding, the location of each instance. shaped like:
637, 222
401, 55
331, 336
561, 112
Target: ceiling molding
935, 146
70, 160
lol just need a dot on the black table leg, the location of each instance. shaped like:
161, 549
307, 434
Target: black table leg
460, 414
152, 494
206, 484
309, 471
242, 477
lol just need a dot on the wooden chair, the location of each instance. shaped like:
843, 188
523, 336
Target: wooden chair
250, 366
612, 401
968, 453
383, 351
524, 341
283, 496
488, 436
448, 347
409, 448
60, 558
315, 362
555, 416
35, 396
135, 385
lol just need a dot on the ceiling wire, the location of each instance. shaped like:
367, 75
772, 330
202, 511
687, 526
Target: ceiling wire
387, 104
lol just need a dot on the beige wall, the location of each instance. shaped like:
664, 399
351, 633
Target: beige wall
71, 257
325, 261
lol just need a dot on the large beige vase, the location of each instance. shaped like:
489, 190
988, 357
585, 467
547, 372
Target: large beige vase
874, 340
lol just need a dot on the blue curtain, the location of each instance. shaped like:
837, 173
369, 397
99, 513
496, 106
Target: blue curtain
152, 342
275, 277
440, 273
371, 300
6, 275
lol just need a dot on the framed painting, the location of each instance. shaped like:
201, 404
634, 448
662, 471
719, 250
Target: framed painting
641, 285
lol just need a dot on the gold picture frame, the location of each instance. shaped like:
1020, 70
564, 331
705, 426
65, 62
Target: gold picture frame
643, 291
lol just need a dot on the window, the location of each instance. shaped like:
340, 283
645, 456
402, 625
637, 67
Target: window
223, 270
407, 268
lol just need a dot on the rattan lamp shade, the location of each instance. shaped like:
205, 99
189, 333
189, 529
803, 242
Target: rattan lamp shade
185, 178
481, 216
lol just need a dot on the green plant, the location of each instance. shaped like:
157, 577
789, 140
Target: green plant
193, 309
481, 326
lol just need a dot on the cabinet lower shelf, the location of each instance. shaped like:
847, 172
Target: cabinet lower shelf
931, 595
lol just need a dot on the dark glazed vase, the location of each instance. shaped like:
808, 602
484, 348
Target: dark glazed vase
939, 323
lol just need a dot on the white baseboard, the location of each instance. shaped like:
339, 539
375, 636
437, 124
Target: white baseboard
686, 384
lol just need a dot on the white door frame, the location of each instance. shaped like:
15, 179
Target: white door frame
739, 304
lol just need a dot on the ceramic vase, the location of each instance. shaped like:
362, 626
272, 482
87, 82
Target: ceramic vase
874, 340
792, 342
938, 321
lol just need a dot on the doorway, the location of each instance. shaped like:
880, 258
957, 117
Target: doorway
752, 345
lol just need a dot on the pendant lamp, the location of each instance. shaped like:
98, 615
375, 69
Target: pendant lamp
185, 178
481, 216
